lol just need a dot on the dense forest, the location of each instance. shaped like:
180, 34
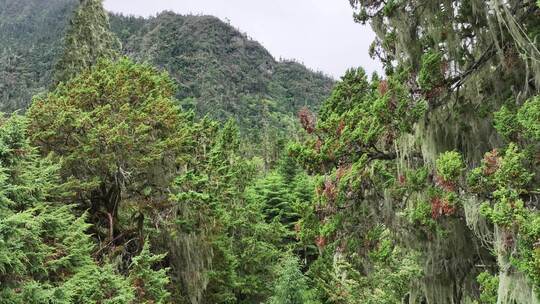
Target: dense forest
172, 159
218, 70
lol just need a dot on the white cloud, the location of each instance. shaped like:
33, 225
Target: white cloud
319, 33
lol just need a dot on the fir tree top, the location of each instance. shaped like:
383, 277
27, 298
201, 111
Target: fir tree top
88, 39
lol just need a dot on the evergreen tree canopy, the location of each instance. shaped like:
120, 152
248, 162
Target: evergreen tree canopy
398, 153
118, 133
419, 186
46, 253
291, 286
88, 39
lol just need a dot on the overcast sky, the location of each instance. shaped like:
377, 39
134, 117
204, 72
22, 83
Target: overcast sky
319, 33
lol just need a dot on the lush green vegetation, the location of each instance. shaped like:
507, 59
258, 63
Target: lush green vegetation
218, 70
173, 170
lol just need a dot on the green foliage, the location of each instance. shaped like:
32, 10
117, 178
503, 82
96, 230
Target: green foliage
506, 122
102, 110
362, 117
489, 284
100, 285
221, 200
512, 172
351, 149
507, 172
506, 179
431, 74
391, 271
523, 122
291, 286
450, 165
88, 39
448, 53
505, 210
45, 252
528, 117
353, 86
420, 213
276, 198
150, 284
527, 257
258, 246
121, 119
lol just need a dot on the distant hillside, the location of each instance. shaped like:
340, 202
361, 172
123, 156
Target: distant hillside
30, 41
219, 70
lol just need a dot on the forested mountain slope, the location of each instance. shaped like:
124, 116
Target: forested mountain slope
420, 186
219, 70
30, 36
218, 65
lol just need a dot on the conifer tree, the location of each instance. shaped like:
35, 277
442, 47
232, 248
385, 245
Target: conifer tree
87, 40
150, 285
120, 135
395, 152
291, 285
277, 199
45, 252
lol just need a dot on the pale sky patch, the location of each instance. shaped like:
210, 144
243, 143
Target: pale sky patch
319, 33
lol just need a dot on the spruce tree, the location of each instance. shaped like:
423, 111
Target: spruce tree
277, 198
291, 285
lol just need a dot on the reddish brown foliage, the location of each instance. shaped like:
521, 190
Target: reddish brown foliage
318, 145
511, 59
20, 152
329, 189
392, 104
491, 162
341, 171
440, 207
139, 287
340, 128
297, 227
444, 67
320, 241
389, 137
435, 92
402, 179
444, 184
507, 239
383, 87
307, 119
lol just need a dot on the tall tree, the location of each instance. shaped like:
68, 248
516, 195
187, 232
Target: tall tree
393, 151
119, 134
291, 286
88, 39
